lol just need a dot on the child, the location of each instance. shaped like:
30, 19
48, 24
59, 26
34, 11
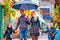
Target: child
50, 32
57, 33
8, 32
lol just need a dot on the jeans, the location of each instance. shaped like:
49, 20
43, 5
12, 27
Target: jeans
50, 38
23, 34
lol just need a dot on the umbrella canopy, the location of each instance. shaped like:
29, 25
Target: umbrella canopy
25, 5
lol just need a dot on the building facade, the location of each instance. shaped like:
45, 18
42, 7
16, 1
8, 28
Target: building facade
47, 7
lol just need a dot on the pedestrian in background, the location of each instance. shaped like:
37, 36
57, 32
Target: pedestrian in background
35, 25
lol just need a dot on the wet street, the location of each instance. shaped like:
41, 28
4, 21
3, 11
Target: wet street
41, 37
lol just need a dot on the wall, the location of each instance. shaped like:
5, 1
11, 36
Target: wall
49, 3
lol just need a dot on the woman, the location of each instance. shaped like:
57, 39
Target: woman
35, 25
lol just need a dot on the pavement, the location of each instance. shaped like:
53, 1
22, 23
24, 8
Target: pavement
41, 37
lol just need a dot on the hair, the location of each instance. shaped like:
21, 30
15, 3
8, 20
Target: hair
22, 10
9, 25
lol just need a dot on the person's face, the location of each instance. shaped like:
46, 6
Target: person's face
10, 25
22, 12
33, 13
51, 25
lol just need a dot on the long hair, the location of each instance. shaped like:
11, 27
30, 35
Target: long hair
34, 13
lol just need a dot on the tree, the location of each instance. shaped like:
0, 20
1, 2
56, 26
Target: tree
56, 15
7, 11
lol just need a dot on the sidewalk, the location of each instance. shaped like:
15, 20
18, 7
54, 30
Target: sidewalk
41, 37
18, 39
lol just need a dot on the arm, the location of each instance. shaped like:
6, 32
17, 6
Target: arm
18, 22
38, 22
54, 33
45, 31
5, 34
13, 31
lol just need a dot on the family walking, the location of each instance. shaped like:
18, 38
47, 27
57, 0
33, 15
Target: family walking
24, 21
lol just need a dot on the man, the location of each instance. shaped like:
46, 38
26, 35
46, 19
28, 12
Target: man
22, 22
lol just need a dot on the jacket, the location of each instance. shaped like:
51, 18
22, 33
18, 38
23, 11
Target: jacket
35, 25
8, 32
23, 22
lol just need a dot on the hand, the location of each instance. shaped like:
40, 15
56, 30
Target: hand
15, 31
53, 35
26, 16
3, 38
41, 30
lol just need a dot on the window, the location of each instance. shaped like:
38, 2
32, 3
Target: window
45, 10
